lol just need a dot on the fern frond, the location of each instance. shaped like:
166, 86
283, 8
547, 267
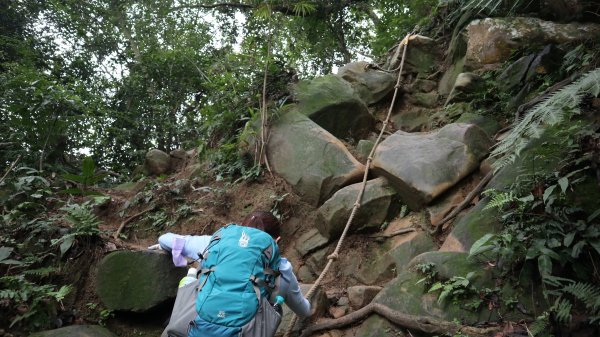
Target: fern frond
587, 293
562, 308
500, 199
551, 111
41, 272
540, 326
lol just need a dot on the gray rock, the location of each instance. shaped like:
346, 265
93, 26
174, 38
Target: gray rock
364, 147
137, 281
334, 213
343, 301
305, 275
493, 40
427, 100
310, 241
376, 326
179, 159
487, 124
465, 83
423, 166
370, 84
316, 262
310, 159
514, 75
331, 102
76, 331
415, 119
422, 55
359, 296
423, 85
546, 61
157, 162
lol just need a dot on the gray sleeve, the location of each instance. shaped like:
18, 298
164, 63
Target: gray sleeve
290, 290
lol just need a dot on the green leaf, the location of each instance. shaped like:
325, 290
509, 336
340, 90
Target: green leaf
88, 167
66, 244
596, 245
435, 286
545, 265
563, 183
578, 248
548, 192
569, 239
5, 252
479, 245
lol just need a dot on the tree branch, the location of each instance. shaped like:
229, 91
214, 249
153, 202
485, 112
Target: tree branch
425, 324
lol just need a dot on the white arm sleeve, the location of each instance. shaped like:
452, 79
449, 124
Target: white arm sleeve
290, 290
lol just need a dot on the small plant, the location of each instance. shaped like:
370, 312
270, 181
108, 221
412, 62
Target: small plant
455, 288
88, 177
427, 269
84, 224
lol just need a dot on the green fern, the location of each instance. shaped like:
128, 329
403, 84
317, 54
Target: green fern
540, 326
556, 108
40, 272
562, 309
587, 293
499, 199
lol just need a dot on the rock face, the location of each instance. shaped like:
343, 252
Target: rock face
413, 120
310, 159
492, 40
137, 281
423, 166
332, 103
310, 241
76, 331
157, 162
370, 84
376, 201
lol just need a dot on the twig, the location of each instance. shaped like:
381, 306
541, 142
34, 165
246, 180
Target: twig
425, 324
462, 205
11, 167
392, 234
126, 221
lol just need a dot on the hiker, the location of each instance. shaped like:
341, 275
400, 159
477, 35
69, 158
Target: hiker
228, 247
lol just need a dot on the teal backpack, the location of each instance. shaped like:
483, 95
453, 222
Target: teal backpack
239, 268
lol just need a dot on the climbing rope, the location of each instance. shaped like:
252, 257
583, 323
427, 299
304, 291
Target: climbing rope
335, 254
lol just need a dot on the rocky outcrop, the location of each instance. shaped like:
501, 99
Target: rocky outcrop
76, 331
423, 166
157, 162
493, 40
310, 159
371, 85
375, 204
137, 281
332, 103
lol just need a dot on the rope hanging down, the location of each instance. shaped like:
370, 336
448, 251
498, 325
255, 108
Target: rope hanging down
357, 203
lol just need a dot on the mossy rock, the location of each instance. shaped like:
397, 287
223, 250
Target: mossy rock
137, 281
471, 227
376, 326
489, 125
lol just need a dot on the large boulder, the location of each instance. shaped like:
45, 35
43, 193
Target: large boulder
370, 84
76, 331
493, 40
310, 159
310, 241
332, 103
422, 55
137, 280
412, 120
422, 166
375, 204
157, 162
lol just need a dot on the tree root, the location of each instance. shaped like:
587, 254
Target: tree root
126, 221
425, 324
465, 203
387, 236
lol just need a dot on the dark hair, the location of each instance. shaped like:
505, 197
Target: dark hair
265, 221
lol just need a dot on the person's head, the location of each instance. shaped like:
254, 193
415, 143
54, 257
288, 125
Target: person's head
265, 221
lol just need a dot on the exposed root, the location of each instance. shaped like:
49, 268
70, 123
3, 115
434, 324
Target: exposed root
425, 324
128, 220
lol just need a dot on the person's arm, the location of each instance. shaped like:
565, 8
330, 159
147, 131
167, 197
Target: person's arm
194, 244
290, 290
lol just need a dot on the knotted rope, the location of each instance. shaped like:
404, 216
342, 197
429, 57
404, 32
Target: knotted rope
357, 203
